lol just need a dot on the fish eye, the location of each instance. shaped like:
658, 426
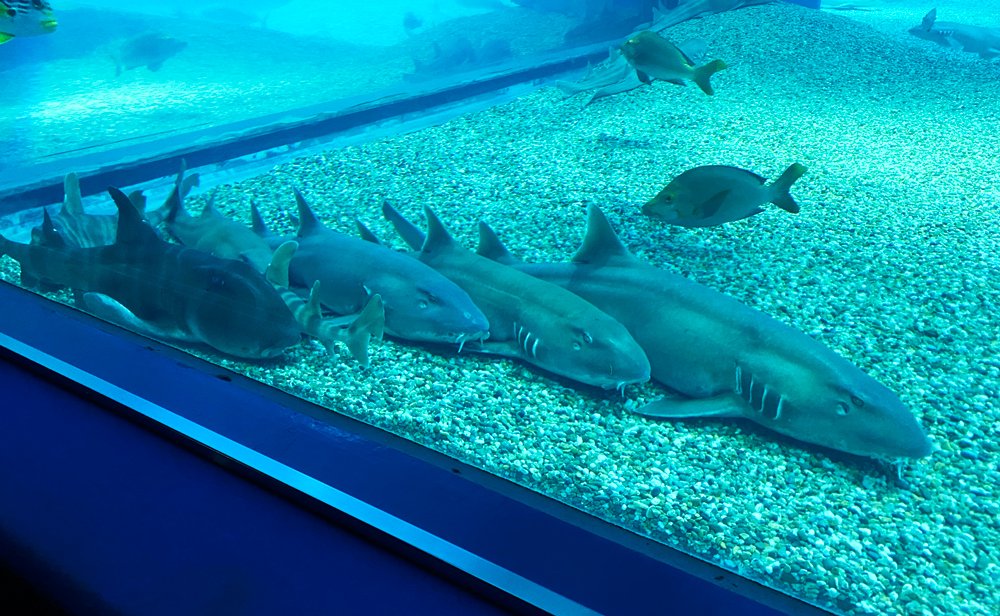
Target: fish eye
856, 401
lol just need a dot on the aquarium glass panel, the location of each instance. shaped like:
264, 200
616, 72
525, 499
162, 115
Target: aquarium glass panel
732, 287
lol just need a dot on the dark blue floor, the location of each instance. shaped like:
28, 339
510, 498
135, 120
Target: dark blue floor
102, 516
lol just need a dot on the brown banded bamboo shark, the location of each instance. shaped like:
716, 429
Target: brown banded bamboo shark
420, 304
530, 319
725, 359
212, 232
83, 230
164, 290
354, 331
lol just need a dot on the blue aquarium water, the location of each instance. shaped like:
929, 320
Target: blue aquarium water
729, 284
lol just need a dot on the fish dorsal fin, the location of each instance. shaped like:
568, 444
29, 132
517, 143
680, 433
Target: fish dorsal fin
491, 247
308, 223
366, 233
258, 225
72, 201
600, 243
413, 236
277, 269
437, 234
131, 227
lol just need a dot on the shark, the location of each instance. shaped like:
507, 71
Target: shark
355, 332
163, 290
721, 358
421, 305
532, 320
973, 39
211, 231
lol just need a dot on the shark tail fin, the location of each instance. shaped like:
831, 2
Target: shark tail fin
369, 324
704, 73
72, 201
780, 188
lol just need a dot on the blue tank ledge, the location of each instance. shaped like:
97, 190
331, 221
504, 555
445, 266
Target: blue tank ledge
127, 492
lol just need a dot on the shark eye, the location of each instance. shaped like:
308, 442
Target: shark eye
587, 338
856, 401
843, 409
423, 304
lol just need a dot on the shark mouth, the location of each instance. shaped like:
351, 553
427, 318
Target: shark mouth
526, 340
462, 338
758, 396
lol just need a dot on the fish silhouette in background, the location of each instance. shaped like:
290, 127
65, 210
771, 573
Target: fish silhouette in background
421, 305
150, 50
716, 194
531, 320
722, 358
20, 18
653, 56
163, 290
973, 39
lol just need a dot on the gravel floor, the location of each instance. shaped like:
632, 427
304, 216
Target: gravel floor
892, 262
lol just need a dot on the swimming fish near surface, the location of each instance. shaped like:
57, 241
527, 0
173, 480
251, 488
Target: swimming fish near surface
722, 358
654, 57
150, 50
25, 18
716, 194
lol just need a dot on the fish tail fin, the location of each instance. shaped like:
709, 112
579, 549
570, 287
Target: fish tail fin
780, 188
703, 75
369, 324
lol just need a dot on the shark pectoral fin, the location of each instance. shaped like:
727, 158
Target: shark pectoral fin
644, 78
681, 408
501, 348
109, 309
369, 324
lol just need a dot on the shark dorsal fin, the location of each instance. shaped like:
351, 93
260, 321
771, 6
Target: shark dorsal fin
413, 236
277, 269
72, 201
47, 234
366, 233
131, 227
491, 247
308, 223
209, 211
258, 225
600, 243
437, 234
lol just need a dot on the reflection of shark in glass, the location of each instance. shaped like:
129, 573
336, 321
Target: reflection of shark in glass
456, 55
974, 39
25, 18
